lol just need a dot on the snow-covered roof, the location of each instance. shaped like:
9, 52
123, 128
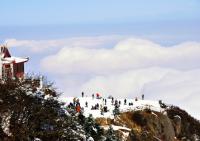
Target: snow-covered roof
6, 58
19, 59
9, 60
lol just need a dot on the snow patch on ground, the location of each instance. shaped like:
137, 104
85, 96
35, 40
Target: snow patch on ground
116, 128
136, 105
124, 130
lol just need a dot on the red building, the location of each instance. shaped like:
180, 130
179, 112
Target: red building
10, 66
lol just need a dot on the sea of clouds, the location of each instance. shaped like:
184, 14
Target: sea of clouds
121, 66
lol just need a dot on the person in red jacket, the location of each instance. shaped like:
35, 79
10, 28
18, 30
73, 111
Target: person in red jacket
78, 108
97, 95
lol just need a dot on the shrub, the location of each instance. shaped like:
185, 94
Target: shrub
139, 118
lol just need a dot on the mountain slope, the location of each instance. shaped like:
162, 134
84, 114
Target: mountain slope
140, 120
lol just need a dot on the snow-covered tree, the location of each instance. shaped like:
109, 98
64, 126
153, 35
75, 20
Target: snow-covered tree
111, 135
92, 128
31, 112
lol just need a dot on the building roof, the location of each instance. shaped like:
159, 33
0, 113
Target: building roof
4, 52
9, 60
6, 58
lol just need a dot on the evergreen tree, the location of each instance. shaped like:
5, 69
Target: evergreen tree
89, 126
111, 135
33, 116
92, 128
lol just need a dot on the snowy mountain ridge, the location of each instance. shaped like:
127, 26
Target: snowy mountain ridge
88, 104
29, 112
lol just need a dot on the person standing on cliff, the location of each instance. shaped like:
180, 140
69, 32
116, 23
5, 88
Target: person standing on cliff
125, 101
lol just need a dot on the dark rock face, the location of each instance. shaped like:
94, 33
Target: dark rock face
167, 128
158, 125
185, 126
149, 125
177, 124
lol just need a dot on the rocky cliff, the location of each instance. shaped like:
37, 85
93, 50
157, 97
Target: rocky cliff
173, 124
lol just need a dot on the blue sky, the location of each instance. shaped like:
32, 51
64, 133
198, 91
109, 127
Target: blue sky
118, 47
166, 22
37, 12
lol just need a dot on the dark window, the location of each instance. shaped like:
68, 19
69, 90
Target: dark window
19, 67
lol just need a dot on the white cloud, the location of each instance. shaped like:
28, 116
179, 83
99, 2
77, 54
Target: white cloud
180, 88
41, 46
133, 66
126, 55
126, 84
